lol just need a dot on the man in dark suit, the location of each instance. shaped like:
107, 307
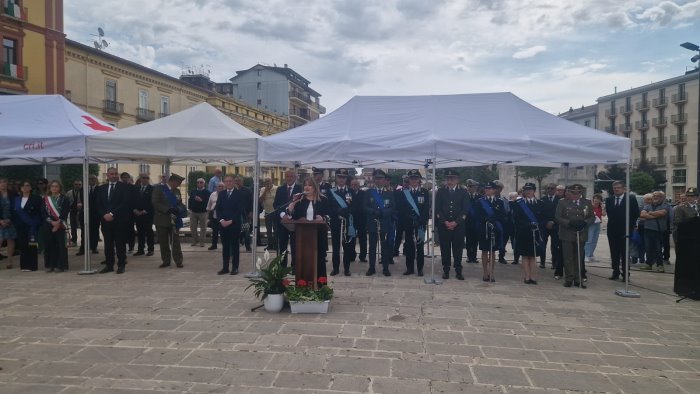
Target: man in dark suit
413, 204
283, 196
451, 207
230, 212
549, 206
615, 207
341, 205
133, 195
471, 224
380, 212
143, 216
76, 197
360, 221
114, 211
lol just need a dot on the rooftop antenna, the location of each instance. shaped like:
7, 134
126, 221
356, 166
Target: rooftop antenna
100, 43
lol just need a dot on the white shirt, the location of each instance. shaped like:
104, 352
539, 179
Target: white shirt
24, 201
310, 211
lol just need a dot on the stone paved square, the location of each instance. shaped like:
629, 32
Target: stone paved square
189, 330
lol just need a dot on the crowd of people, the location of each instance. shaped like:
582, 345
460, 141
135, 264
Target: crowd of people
375, 219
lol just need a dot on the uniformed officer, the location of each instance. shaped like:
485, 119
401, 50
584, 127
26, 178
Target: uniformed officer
528, 218
686, 211
492, 217
399, 224
686, 223
380, 210
413, 205
341, 222
573, 215
323, 186
472, 222
451, 207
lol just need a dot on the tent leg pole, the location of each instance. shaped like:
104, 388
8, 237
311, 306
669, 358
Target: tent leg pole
627, 292
87, 268
432, 280
256, 219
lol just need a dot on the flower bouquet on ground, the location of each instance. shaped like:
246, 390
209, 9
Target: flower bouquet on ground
270, 286
304, 299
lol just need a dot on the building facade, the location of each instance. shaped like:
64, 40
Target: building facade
125, 93
661, 119
280, 90
32, 56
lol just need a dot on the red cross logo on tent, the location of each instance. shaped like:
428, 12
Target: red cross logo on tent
95, 125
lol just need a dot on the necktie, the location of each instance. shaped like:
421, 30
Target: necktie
109, 192
229, 194
617, 201
143, 189
289, 192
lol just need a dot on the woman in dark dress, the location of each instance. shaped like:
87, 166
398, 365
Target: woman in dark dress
55, 213
8, 233
529, 220
312, 205
27, 212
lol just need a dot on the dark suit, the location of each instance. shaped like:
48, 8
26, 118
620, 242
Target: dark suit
319, 208
76, 216
27, 232
337, 211
498, 219
284, 238
230, 206
114, 232
549, 207
94, 217
471, 227
360, 221
451, 206
381, 220
414, 225
144, 223
616, 230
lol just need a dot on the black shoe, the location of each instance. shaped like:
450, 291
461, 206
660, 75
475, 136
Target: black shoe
48, 270
493, 280
363, 260
179, 265
149, 253
408, 273
164, 265
514, 262
347, 273
370, 272
222, 272
567, 284
80, 253
120, 270
502, 261
396, 254
542, 265
334, 272
59, 270
103, 262
95, 251
234, 272
420, 273
139, 253
214, 248
248, 249
531, 282
106, 270
615, 277
459, 276
386, 273
445, 275
486, 279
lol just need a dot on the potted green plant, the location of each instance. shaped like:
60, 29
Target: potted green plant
303, 298
270, 286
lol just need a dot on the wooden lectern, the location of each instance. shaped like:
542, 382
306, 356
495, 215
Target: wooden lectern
306, 242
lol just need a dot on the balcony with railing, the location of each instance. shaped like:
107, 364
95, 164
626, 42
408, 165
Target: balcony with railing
642, 105
626, 109
14, 71
304, 98
145, 114
659, 122
610, 129
658, 141
610, 113
112, 107
636, 162
641, 125
678, 159
640, 143
300, 113
657, 161
14, 11
679, 139
679, 98
625, 128
658, 102
679, 118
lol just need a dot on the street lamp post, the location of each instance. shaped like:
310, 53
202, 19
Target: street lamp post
692, 47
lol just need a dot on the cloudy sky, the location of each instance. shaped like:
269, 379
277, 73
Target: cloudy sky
554, 54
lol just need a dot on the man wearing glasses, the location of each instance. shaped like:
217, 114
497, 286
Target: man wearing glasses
143, 216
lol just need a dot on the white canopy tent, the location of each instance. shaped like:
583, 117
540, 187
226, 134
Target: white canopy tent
45, 129
452, 130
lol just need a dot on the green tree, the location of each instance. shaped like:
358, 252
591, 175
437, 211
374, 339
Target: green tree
641, 182
615, 172
72, 172
18, 173
646, 167
536, 173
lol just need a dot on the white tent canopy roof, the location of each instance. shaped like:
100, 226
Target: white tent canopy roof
45, 127
456, 130
200, 134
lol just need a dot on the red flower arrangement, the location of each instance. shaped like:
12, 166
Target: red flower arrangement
303, 291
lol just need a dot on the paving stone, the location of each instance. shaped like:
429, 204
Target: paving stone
359, 366
394, 333
227, 359
419, 370
646, 385
355, 384
242, 377
296, 362
302, 380
101, 354
512, 354
160, 356
451, 387
500, 375
190, 374
43, 352
399, 386
577, 381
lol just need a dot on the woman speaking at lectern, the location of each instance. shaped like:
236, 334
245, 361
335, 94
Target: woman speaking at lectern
312, 205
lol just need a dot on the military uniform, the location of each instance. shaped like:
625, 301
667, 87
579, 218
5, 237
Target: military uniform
472, 222
451, 205
341, 207
686, 234
528, 235
573, 217
380, 211
497, 218
414, 223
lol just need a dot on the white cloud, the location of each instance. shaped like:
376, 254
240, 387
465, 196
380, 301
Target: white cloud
526, 53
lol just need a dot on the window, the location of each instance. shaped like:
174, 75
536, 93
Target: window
9, 51
259, 72
587, 123
681, 88
259, 102
164, 105
679, 150
259, 85
144, 168
662, 93
112, 165
679, 176
193, 169
143, 99
111, 90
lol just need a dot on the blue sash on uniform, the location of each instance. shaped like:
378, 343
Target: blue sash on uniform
380, 205
531, 217
173, 202
421, 229
492, 215
344, 205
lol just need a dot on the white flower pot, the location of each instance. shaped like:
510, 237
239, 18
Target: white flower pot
274, 302
310, 306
